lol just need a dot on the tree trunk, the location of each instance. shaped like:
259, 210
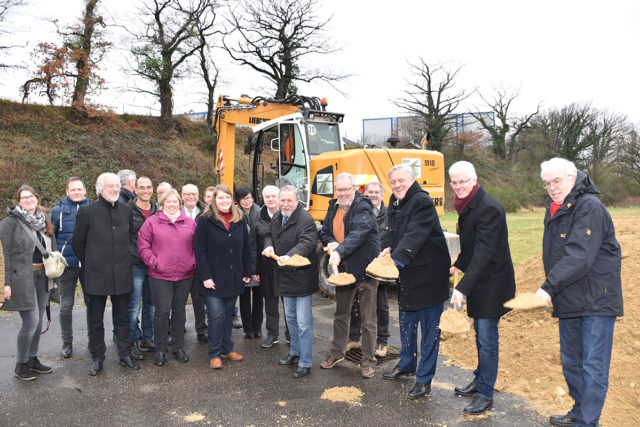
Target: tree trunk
82, 63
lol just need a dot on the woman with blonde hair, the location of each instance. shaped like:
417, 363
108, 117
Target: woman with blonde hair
26, 286
165, 244
223, 259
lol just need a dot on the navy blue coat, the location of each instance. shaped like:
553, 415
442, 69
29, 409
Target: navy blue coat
582, 258
361, 242
419, 244
63, 219
485, 257
223, 255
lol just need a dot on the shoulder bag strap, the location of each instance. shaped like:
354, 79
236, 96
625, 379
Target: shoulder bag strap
29, 231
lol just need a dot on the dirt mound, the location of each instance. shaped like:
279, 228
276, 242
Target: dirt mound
530, 363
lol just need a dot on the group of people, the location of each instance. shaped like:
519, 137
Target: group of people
124, 246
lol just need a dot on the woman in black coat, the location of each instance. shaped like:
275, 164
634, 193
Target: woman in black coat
223, 260
26, 287
488, 280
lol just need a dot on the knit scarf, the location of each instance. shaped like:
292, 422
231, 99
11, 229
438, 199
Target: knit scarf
36, 222
460, 204
173, 217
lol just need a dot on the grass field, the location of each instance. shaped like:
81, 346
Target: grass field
525, 230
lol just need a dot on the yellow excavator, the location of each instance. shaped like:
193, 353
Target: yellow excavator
297, 141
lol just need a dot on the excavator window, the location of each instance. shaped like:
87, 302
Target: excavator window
293, 165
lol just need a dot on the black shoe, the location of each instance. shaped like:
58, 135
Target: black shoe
203, 338
67, 350
270, 341
468, 390
180, 356
301, 372
479, 406
36, 366
96, 367
565, 420
396, 373
23, 372
289, 360
136, 354
147, 345
418, 390
257, 334
249, 335
160, 358
129, 363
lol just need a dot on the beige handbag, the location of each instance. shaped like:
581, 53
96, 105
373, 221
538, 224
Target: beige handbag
54, 262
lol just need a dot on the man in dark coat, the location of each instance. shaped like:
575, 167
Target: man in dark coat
293, 232
63, 219
488, 280
582, 262
375, 191
349, 230
101, 241
127, 186
419, 249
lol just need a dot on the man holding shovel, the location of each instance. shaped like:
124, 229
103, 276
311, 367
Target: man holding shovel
488, 280
350, 232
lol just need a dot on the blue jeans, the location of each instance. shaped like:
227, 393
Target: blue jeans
297, 311
141, 292
429, 319
585, 347
220, 316
488, 351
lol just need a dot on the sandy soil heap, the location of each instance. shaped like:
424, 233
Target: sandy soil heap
530, 363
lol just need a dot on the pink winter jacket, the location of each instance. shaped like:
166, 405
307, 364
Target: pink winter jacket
167, 247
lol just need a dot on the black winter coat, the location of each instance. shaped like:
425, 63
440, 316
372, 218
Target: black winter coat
384, 231
223, 255
101, 241
419, 244
298, 236
126, 196
361, 242
265, 267
137, 219
582, 258
485, 257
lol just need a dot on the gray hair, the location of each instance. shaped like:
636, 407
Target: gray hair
378, 183
101, 179
403, 167
126, 176
291, 188
558, 163
346, 175
164, 184
463, 167
270, 188
192, 187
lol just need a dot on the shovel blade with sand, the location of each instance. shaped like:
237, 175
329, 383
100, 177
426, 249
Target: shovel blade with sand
383, 268
337, 278
527, 301
452, 320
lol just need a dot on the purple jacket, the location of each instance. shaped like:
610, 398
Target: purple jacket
167, 247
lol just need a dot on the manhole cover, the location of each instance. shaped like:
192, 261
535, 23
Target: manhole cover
355, 355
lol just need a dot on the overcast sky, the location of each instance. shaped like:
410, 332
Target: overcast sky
554, 52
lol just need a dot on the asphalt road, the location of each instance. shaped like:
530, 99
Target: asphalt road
253, 392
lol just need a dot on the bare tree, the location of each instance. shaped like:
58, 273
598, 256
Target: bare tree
169, 38
518, 125
627, 162
5, 11
607, 131
86, 49
500, 104
273, 38
432, 97
209, 70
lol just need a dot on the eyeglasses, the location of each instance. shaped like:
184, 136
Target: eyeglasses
553, 183
457, 183
29, 197
248, 198
344, 190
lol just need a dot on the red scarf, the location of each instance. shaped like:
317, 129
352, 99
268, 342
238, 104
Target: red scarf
227, 218
460, 204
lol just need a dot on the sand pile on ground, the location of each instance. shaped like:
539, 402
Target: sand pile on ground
530, 363
350, 395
